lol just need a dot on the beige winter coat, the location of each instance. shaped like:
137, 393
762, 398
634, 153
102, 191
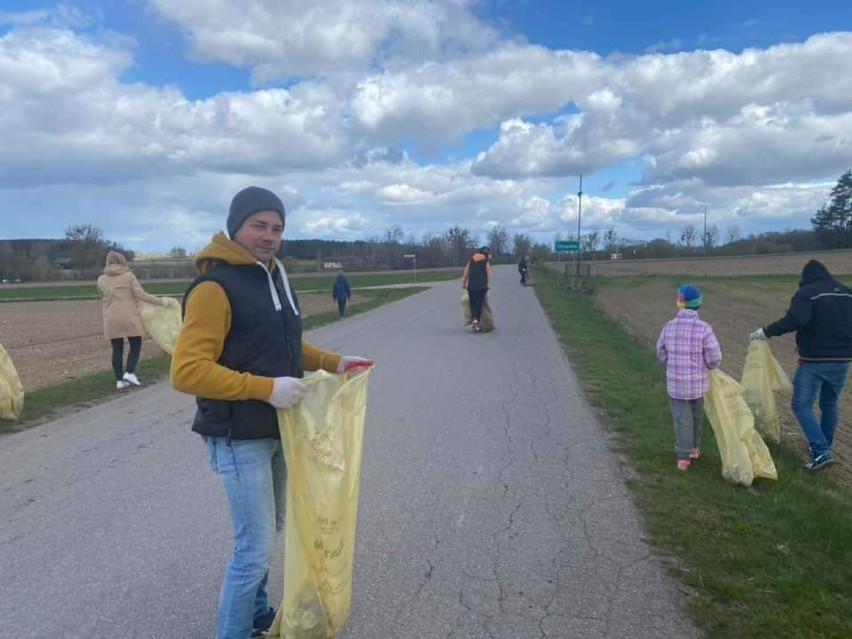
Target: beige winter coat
120, 290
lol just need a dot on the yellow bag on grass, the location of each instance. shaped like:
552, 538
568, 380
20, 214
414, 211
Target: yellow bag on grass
163, 323
322, 438
762, 374
744, 455
465, 307
11, 390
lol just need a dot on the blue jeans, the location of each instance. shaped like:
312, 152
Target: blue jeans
826, 382
254, 477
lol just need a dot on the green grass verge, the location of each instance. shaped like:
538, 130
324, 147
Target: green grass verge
773, 560
178, 287
45, 403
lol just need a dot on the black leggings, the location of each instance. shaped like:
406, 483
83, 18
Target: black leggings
132, 356
476, 298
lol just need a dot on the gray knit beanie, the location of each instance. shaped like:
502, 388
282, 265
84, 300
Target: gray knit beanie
249, 201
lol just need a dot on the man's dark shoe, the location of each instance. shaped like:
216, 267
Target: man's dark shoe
820, 461
263, 622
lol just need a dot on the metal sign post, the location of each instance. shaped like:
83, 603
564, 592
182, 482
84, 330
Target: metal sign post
564, 246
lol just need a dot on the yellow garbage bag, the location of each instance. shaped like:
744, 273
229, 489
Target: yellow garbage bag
486, 320
465, 307
322, 439
744, 454
762, 374
11, 390
163, 323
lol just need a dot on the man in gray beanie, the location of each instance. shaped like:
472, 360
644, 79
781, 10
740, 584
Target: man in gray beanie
249, 201
241, 353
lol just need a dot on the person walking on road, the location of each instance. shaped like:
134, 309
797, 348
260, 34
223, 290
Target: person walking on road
821, 315
341, 293
120, 291
476, 278
241, 353
523, 268
689, 348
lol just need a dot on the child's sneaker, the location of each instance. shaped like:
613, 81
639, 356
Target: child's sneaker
695, 453
820, 461
475, 326
683, 464
131, 377
121, 384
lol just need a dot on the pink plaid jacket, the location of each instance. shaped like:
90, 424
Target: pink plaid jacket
689, 348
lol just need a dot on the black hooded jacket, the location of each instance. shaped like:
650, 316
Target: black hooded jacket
821, 314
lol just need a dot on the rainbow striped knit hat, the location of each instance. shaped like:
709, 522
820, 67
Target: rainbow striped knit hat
688, 296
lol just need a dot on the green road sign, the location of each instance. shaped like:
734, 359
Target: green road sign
568, 246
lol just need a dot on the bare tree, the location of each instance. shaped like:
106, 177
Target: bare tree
732, 233
87, 244
591, 241
610, 239
394, 234
688, 235
498, 240
522, 244
460, 244
711, 236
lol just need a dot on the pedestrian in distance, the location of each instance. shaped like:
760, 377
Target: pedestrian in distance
523, 268
341, 293
476, 278
242, 354
820, 313
689, 349
120, 291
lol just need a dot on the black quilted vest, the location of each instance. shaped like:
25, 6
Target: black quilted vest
262, 341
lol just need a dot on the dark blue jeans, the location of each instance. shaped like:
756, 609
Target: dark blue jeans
823, 381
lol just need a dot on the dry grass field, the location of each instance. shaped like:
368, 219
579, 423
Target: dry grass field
53, 342
838, 262
734, 307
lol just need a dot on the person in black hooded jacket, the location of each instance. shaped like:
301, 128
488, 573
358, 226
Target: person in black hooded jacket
821, 314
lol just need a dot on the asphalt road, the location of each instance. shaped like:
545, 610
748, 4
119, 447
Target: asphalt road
491, 506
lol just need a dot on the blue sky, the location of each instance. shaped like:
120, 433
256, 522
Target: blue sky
144, 117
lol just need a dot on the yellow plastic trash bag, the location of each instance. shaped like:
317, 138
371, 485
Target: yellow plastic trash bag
163, 323
465, 307
762, 374
486, 320
322, 439
11, 390
744, 454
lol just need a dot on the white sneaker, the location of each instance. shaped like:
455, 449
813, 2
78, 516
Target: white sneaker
121, 384
131, 377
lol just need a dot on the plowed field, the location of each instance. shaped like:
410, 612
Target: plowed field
53, 342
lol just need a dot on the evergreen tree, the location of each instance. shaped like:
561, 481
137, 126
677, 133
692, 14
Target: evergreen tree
832, 223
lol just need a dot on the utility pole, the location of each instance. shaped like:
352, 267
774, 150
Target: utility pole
705, 230
579, 215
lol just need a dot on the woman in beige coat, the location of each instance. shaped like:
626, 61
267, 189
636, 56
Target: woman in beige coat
120, 290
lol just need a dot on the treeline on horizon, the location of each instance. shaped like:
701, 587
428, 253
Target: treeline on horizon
81, 253
64, 259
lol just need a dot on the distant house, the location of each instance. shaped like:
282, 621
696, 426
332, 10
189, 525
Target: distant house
62, 263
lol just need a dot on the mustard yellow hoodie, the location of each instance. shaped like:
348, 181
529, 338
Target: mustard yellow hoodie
207, 322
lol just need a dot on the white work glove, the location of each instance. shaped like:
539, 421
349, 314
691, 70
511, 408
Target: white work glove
286, 391
348, 362
164, 301
759, 334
